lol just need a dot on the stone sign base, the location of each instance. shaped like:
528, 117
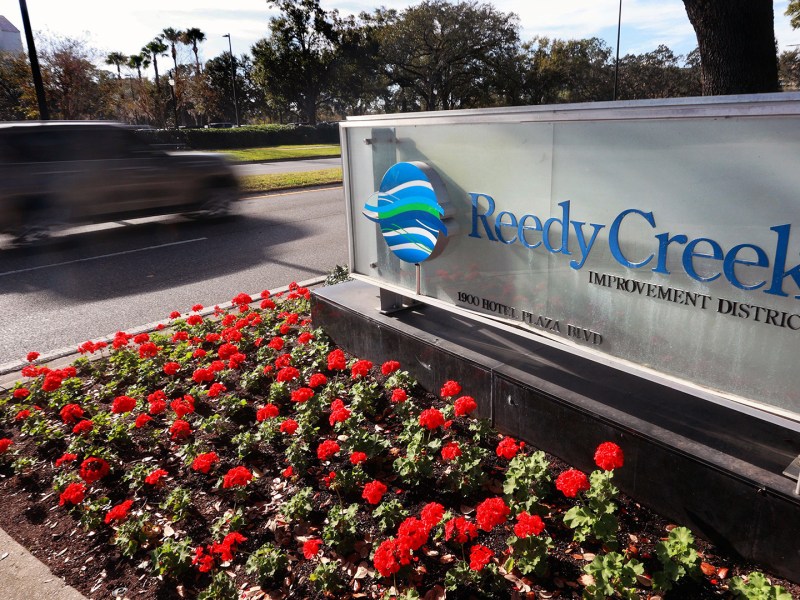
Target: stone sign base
715, 467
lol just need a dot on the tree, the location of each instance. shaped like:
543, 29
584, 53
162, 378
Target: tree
139, 61
173, 36
191, 37
156, 48
793, 11
449, 55
737, 45
117, 59
297, 59
17, 96
659, 74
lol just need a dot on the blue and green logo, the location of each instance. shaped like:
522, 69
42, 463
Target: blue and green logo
408, 211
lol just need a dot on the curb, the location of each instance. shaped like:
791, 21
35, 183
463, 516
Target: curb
71, 351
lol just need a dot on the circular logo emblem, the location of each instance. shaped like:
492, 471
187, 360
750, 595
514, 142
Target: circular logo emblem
409, 212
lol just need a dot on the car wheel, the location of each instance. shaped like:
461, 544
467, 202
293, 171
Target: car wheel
38, 225
216, 204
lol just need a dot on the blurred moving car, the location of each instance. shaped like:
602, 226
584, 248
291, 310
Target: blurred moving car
61, 172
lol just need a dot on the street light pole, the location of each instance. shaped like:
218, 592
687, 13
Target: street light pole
174, 100
233, 78
44, 114
616, 62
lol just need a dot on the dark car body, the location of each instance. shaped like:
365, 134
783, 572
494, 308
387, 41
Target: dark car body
54, 172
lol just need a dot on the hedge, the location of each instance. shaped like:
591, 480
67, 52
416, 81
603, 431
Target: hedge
251, 136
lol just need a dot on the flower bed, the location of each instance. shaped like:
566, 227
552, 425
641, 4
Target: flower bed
245, 456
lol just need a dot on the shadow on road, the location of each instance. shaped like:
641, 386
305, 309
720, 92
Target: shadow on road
129, 258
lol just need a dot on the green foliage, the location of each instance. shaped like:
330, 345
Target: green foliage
131, 535
596, 518
529, 554
389, 514
267, 562
613, 577
527, 480
23, 464
178, 503
360, 439
231, 520
246, 443
481, 430
363, 396
417, 465
467, 471
299, 506
222, 587
757, 587
678, 557
339, 531
400, 379
326, 578
136, 474
93, 512
172, 558
339, 274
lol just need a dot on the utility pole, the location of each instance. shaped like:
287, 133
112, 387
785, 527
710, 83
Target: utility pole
44, 114
233, 78
616, 62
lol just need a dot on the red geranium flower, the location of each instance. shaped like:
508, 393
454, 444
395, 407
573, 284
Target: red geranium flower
415, 530
609, 456
327, 449
237, 477
73, 494
215, 390
32, 356
194, 320
22, 415
373, 491
123, 404
183, 406
304, 338
339, 412
451, 451
528, 525
171, 368
65, 458
479, 557
269, 411
201, 375
119, 513
155, 477
336, 361
5, 444
464, 406
84, 426
360, 369
317, 380
289, 426
227, 547
180, 430
431, 514
389, 367
288, 472
302, 394
571, 482
431, 418
399, 396
204, 462
242, 299
21, 393
491, 512
287, 374
390, 556
283, 360
311, 548
460, 530
71, 413
507, 448
450, 389
328, 479
205, 561
357, 457
148, 350
276, 343
142, 420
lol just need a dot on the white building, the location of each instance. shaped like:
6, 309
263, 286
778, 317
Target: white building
10, 38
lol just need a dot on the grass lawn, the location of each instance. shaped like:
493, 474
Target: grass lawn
283, 152
282, 181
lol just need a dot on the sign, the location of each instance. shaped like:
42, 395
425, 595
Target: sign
663, 235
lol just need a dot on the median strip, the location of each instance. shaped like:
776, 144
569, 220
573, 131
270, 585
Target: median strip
283, 181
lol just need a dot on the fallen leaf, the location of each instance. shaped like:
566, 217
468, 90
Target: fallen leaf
670, 527
586, 580
708, 569
644, 580
437, 592
723, 573
363, 570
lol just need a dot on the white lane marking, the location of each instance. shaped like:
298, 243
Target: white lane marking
70, 262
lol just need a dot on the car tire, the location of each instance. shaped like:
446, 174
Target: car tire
216, 204
38, 224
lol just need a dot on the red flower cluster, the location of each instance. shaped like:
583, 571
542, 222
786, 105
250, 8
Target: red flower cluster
460, 530
5, 444
215, 390
269, 411
123, 404
571, 482
32, 356
65, 458
91, 347
289, 426
21, 393
389, 367
431, 514
73, 494
479, 557
339, 412
119, 513
242, 300
357, 457
327, 449
155, 477
94, 469
287, 374
180, 430
451, 451
204, 462
390, 556
183, 406
276, 343
317, 380
609, 456
22, 415
415, 530
373, 491
491, 512
507, 448
237, 477
464, 406
171, 368
148, 350
336, 361
450, 389
311, 548
528, 525
142, 420
84, 426
227, 547
304, 338
71, 413
431, 418
360, 369
302, 394
399, 396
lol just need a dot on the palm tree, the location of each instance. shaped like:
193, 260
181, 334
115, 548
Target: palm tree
191, 37
173, 37
117, 59
155, 49
138, 62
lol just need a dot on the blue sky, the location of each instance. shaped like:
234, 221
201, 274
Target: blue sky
126, 27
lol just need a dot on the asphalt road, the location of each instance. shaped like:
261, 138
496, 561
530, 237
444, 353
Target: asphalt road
288, 166
89, 282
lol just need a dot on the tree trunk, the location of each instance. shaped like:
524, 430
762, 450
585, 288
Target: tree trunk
737, 45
